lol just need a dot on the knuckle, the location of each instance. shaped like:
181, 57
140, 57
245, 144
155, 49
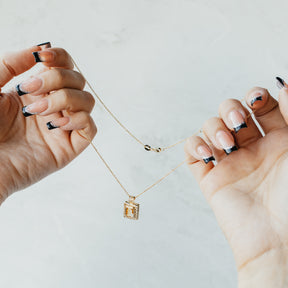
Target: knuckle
63, 52
90, 98
65, 94
81, 79
60, 76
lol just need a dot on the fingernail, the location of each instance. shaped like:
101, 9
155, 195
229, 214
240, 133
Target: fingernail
45, 45
237, 120
29, 86
51, 126
35, 108
280, 83
226, 141
56, 123
205, 153
44, 56
256, 98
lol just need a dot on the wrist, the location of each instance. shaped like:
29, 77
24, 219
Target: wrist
267, 271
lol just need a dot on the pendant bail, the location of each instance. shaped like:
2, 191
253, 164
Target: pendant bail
132, 199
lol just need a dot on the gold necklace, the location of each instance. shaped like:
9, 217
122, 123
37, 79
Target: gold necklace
131, 208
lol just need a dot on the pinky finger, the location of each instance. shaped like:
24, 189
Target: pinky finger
74, 122
200, 157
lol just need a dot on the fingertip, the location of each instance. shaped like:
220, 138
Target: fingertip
197, 149
283, 103
257, 97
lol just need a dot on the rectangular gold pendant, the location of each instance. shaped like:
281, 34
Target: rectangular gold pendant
131, 209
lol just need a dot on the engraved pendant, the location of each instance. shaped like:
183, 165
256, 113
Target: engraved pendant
131, 209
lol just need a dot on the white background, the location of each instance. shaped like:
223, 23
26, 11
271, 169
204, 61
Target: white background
163, 67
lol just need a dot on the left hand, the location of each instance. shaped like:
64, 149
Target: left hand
53, 98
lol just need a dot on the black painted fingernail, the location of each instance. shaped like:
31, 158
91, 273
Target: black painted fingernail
280, 82
30, 85
207, 160
19, 91
230, 149
205, 153
243, 125
50, 126
237, 119
258, 98
36, 56
26, 113
46, 44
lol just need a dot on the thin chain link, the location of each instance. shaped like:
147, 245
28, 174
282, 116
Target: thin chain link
147, 147
137, 139
103, 160
161, 179
106, 108
114, 175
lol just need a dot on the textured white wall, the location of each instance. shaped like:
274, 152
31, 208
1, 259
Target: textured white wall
163, 67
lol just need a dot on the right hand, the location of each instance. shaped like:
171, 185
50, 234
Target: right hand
247, 189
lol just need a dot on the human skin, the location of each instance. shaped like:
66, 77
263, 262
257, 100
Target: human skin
28, 150
247, 189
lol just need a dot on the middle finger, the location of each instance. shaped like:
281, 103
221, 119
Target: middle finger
223, 141
51, 80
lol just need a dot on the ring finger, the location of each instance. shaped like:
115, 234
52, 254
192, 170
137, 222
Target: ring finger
65, 99
236, 117
219, 135
51, 80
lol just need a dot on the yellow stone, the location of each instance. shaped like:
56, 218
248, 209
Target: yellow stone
131, 210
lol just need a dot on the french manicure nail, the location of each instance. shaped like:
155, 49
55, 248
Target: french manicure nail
280, 83
29, 86
205, 153
50, 125
44, 56
226, 141
237, 120
257, 98
35, 108
45, 45
56, 123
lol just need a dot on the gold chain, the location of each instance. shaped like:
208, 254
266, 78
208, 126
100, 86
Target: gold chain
146, 146
131, 204
114, 175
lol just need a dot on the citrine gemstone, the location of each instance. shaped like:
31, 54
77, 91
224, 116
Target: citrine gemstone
131, 210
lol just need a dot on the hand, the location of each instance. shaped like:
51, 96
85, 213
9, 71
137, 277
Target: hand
247, 189
29, 150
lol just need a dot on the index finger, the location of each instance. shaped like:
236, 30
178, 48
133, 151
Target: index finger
54, 57
16, 63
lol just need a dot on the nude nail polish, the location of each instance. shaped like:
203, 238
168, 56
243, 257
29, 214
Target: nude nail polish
35, 108
44, 56
205, 153
29, 86
226, 141
237, 120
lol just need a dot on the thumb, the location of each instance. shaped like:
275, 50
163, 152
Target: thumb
283, 98
15, 63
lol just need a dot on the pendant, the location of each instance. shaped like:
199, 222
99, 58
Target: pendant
131, 209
